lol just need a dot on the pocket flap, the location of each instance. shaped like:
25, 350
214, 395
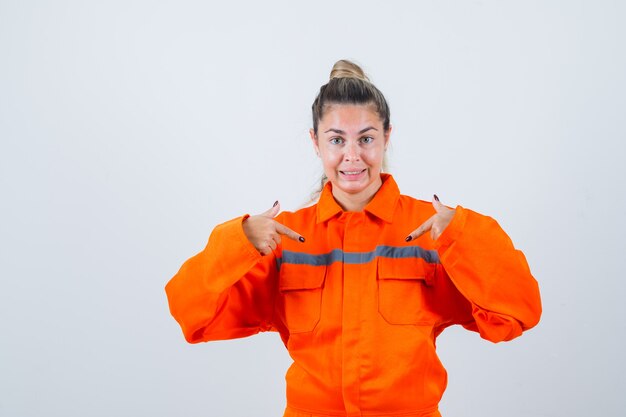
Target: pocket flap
301, 277
406, 269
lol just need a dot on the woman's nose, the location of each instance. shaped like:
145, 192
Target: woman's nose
352, 152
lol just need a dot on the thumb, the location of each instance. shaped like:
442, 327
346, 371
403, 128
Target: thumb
273, 211
437, 204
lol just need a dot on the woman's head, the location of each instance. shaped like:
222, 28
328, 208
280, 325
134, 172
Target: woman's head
350, 135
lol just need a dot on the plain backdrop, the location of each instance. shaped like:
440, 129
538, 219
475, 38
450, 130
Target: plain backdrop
129, 129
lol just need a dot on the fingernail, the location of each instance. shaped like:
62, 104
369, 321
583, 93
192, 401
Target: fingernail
436, 198
275, 203
301, 239
408, 238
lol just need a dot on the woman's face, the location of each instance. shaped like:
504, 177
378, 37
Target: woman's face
351, 143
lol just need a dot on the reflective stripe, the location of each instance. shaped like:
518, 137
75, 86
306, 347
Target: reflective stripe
356, 258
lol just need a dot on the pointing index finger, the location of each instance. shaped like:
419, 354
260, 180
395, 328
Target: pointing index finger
423, 228
284, 230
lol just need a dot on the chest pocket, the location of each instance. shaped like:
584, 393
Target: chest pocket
405, 289
301, 289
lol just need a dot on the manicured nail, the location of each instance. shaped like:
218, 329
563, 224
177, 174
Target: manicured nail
301, 239
275, 203
408, 238
436, 198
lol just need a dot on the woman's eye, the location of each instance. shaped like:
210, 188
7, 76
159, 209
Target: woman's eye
336, 141
367, 139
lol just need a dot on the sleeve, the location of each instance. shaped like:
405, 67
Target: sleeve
226, 291
491, 274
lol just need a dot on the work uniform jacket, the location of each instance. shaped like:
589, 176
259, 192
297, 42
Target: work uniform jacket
357, 306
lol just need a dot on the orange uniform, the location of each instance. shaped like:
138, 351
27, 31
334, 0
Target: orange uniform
357, 307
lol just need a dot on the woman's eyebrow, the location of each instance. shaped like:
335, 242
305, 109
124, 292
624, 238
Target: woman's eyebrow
341, 132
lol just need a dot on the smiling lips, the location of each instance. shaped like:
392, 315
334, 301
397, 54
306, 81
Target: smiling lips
353, 175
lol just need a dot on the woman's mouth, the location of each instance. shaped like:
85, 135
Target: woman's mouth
353, 175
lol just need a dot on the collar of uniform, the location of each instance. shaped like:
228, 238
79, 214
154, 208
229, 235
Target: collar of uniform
382, 205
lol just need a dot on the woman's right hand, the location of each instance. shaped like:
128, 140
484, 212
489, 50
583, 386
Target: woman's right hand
264, 232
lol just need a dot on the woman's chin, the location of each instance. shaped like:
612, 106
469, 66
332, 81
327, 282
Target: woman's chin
356, 187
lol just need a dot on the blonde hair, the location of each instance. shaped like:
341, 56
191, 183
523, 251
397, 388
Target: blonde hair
348, 84
347, 69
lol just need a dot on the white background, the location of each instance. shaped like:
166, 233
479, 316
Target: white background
129, 129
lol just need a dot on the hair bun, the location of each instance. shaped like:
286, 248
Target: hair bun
347, 69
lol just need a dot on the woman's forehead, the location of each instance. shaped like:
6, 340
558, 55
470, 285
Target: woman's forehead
350, 116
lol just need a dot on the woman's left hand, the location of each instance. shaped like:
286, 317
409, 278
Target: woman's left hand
436, 224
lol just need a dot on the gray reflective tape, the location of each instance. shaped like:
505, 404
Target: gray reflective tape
300, 258
430, 256
357, 258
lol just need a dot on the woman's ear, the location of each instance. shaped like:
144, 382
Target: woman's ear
315, 142
388, 135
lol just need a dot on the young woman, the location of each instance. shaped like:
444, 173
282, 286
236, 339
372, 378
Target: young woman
360, 284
